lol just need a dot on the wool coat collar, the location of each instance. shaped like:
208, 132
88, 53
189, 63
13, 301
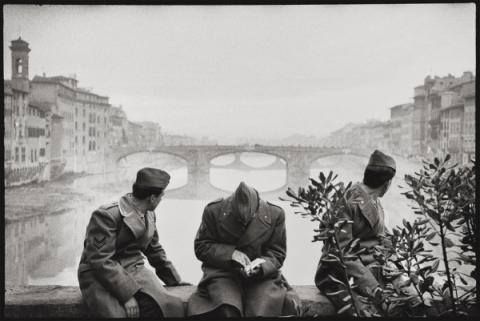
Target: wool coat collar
133, 218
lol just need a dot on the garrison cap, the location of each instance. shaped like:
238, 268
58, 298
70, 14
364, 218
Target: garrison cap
152, 178
245, 201
380, 159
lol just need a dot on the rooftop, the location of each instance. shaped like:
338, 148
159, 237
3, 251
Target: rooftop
19, 44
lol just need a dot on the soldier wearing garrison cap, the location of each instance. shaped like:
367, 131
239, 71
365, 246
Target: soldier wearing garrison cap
366, 212
234, 232
112, 277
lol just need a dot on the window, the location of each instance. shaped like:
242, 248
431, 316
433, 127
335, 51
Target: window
42, 152
19, 65
24, 154
76, 125
36, 158
83, 139
17, 155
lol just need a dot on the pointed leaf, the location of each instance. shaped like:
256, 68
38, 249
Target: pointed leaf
345, 308
336, 292
430, 236
334, 279
448, 242
435, 265
347, 298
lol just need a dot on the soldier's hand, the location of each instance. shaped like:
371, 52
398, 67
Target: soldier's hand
386, 242
256, 271
240, 257
132, 309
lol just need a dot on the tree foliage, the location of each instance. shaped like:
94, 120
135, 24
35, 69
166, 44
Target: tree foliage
444, 194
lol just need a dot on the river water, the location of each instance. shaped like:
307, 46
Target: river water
45, 249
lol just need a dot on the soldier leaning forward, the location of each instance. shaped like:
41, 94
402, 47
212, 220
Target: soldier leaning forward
233, 232
113, 279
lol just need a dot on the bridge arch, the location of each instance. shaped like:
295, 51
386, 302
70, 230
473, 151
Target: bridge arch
297, 160
171, 153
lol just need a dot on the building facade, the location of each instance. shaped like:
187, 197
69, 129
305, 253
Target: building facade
25, 137
8, 126
118, 130
468, 94
53, 126
93, 110
152, 133
440, 121
85, 120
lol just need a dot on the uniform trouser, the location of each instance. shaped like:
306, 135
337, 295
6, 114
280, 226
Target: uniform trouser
147, 305
397, 283
223, 311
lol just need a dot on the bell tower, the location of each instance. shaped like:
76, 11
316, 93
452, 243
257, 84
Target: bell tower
20, 50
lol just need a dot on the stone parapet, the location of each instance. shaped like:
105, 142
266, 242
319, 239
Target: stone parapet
66, 301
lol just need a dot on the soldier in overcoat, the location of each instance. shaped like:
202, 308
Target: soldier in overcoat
113, 279
235, 231
366, 212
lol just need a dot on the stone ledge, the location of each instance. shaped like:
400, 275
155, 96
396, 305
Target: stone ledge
66, 301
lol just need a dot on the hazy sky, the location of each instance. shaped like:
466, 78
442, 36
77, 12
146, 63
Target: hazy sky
247, 71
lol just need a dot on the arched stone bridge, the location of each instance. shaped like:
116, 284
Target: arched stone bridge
297, 159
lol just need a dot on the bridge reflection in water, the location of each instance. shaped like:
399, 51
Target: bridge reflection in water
296, 160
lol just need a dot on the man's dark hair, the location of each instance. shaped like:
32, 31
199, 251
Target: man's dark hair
142, 193
376, 176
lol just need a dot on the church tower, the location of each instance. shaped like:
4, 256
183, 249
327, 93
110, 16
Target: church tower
20, 52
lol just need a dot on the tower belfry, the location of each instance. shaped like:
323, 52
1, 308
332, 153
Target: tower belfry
19, 50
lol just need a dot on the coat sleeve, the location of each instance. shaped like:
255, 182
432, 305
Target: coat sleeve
275, 250
207, 247
157, 258
100, 248
355, 268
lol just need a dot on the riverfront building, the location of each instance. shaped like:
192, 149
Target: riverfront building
84, 115
457, 117
440, 121
53, 126
25, 137
118, 129
8, 126
401, 117
152, 133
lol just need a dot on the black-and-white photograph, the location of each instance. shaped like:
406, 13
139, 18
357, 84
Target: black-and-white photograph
216, 161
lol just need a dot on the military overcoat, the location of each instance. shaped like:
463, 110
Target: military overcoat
111, 268
368, 225
264, 237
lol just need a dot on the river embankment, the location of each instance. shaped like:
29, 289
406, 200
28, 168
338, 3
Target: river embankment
43, 198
